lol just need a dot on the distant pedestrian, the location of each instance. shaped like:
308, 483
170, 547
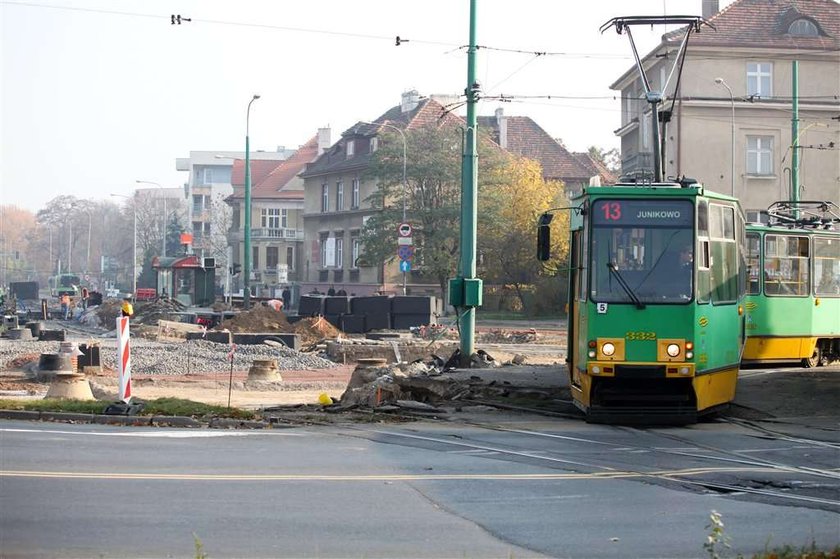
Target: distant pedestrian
341, 293
65, 305
286, 295
331, 291
85, 295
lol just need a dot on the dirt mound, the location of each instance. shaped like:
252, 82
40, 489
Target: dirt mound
315, 329
258, 319
107, 313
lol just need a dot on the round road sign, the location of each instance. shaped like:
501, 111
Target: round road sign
404, 230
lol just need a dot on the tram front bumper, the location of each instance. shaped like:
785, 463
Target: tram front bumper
641, 371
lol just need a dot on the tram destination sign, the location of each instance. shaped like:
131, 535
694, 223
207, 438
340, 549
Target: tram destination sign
643, 213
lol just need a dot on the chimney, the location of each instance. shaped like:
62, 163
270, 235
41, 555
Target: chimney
323, 140
710, 8
501, 121
409, 101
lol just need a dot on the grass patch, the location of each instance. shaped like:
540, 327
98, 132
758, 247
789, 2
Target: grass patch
160, 406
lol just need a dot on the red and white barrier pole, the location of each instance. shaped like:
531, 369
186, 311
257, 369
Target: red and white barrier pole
124, 359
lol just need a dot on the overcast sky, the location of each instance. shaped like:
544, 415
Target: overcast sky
96, 94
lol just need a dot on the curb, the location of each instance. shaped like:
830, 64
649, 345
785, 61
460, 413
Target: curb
133, 420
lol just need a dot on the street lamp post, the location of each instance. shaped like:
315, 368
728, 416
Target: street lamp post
134, 252
720, 81
163, 233
246, 269
405, 184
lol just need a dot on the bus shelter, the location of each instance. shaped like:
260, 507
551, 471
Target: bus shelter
185, 279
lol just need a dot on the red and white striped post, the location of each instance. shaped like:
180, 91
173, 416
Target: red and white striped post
124, 359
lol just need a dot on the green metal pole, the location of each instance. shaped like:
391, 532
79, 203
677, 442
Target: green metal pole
469, 195
246, 269
794, 134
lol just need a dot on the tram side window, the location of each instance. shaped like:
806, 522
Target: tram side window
724, 261
826, 267
786, 265
753, 263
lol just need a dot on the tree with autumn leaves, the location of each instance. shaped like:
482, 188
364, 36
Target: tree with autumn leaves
511, 191
507, 224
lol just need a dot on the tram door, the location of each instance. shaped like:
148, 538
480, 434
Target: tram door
576, 342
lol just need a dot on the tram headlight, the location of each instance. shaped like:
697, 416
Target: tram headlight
673, 350
608, 349
689, 355
591, 354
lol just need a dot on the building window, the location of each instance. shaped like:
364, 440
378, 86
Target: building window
803, 28
272, 257
197, 203
354, 202
270, 218
355, 251
207, 177
339, 252
760, 79
760, 155
235, 218
339, 196
324, 237
351, 148
374, 144
206, 227
290, 257
325, 197
284, 218
255, 260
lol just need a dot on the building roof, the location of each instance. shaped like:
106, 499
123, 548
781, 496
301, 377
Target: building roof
260, 168
335, 160
765, 23
759, 24
595, 167
527, 139
272, 185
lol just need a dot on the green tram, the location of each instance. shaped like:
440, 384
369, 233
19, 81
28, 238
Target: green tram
793, 295
656, 287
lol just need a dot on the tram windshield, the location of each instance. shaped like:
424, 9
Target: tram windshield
642, 251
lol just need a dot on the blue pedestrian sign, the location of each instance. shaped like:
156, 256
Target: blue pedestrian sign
405, 265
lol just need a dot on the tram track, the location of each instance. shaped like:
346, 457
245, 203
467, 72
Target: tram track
730, 463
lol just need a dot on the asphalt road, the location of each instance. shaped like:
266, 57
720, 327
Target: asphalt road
481, 484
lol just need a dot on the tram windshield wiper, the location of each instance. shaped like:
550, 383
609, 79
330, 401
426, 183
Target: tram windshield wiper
623, 283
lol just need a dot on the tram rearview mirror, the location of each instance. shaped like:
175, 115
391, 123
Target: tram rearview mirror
544, 237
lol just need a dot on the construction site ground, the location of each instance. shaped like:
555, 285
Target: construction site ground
527, 369
504, 342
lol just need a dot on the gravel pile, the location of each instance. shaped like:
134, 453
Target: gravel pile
197, 356
194, 356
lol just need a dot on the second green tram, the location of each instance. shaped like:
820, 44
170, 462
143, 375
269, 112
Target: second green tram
793, 295
656, 317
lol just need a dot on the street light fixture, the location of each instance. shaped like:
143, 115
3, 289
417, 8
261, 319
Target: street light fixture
247, 267
163, 233
134, 257
405, 183
720, 81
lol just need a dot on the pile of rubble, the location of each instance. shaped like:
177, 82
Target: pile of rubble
420, 386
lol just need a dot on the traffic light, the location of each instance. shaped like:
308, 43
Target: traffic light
235, 269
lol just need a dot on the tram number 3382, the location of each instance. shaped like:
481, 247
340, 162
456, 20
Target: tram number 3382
640, 335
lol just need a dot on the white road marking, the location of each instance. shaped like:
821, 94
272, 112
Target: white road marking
182, 434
